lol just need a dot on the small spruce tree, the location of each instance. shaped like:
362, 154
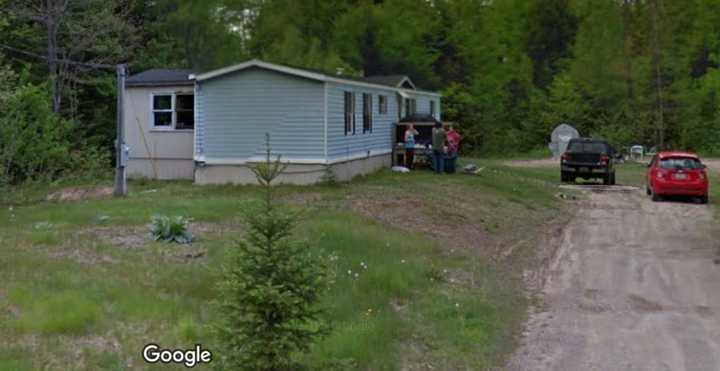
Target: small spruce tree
270, 289
328, 177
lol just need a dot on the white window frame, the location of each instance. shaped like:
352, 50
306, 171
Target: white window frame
173, 122
367, 113
382, 104
349, 115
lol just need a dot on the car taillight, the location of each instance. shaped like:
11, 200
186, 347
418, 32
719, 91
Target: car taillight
703, 175
660, 174
604, 160
564, 157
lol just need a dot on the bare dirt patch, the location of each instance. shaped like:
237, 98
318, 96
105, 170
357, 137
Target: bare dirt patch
125, 237
80, 194
407, 213
131, 237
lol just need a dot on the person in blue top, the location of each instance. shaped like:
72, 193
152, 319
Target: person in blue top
410, 134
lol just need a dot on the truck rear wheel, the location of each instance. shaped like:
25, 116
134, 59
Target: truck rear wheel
606, 179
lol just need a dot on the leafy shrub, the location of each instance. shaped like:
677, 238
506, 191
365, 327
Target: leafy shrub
270, 290
35, 142
169, 229
329, 178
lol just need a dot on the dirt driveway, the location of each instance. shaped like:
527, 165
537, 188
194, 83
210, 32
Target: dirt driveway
633, 286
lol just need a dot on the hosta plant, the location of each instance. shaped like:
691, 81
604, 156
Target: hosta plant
169, 229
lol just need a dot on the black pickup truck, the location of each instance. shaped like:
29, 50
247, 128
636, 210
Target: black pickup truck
588, 158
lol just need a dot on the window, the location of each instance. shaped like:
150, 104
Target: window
349, 113
184, 112
162, 111
173, 111
367, 113
410, 106
382, 104
680, 163
588, 147
432, 108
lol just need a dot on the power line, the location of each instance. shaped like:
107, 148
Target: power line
61, 61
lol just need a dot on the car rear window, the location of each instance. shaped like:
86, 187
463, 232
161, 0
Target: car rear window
588, 147
680, 163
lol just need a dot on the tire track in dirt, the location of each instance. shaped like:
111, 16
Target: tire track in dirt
632, 286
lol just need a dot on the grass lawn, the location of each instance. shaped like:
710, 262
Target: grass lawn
85, 288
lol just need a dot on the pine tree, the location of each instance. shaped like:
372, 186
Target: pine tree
271, 288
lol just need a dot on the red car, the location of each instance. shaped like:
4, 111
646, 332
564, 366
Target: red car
677, 174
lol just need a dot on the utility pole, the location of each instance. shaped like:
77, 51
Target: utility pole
657, 67
121, 157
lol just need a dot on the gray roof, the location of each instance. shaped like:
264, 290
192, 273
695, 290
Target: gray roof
388, 80
392, 81
160, 77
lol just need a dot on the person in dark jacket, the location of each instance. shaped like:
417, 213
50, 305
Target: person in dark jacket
439, 136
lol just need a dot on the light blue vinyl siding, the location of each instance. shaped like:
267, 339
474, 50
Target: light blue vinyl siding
343, 146
236, 110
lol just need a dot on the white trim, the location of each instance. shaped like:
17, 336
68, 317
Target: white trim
325, 118
195, 117
358, 83
380, 110
306, 161
360, 155
302, 161
261, 64
173, 112
153, 110
160, 129
406, 79
418, 92
287, 70
257, 159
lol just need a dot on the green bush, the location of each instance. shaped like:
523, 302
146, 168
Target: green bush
169, 229
37, 143
270, 290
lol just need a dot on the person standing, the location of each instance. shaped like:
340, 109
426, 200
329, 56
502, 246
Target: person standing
453, 138
438, 147
453, 145
410, 134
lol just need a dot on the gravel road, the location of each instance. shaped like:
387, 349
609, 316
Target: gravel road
632, 286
